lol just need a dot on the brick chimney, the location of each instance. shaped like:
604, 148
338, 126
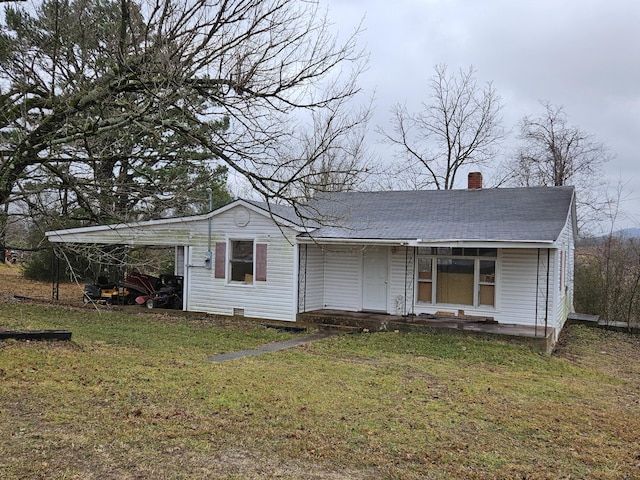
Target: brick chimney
475, 181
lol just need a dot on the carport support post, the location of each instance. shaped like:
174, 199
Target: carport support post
55, 269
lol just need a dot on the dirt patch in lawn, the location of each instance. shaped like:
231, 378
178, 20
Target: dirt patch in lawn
14, 285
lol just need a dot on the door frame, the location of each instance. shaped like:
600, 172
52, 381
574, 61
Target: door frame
381, 254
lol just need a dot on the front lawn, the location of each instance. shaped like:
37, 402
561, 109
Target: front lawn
133, 396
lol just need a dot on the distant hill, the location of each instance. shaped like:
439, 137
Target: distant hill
624, 233
628, 233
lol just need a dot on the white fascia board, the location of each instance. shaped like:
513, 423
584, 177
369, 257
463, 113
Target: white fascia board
424, 242
428, 242
353, 241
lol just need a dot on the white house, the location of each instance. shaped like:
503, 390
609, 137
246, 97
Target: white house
507, 254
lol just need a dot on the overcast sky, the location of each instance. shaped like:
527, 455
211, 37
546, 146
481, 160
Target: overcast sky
583, 55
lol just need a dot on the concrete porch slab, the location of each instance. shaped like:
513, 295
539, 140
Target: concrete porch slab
537, 337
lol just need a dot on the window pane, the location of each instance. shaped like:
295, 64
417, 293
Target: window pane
242, 251
455, 281
487, 271
424, 268
487, 295
488, 252
424, 292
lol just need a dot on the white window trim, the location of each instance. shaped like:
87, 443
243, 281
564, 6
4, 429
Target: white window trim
476, 281
229, 273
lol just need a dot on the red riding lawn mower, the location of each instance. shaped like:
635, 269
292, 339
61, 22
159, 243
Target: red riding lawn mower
164, 291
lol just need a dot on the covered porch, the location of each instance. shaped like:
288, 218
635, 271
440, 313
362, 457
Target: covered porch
534, 336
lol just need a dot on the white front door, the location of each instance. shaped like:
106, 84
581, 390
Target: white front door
375, 272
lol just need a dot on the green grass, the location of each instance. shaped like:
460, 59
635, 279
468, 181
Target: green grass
133, 396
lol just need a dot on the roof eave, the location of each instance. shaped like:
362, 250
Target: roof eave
421, 242
353, 241
57, 236
120, 226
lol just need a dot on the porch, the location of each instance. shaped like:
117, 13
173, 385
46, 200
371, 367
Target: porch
536, 337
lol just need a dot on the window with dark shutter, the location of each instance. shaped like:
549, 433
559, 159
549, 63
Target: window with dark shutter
241, 261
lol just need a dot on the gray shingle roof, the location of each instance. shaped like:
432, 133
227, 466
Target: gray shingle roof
285, 212
501, 214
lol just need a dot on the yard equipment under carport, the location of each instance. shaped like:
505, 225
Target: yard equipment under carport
164, 291
109, 293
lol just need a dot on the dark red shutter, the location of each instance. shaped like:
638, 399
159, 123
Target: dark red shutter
261, 262
220, 260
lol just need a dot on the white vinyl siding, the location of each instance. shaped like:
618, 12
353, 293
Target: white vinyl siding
530, 275
333, 278
521, 279
565, 272
272, 299
342, 280
311, 278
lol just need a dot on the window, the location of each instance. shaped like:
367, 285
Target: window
247, 261
457, 276
241, 261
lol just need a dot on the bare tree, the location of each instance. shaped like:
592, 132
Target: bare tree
553, 152
336, 141
608, 279
458, 126
232, 80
